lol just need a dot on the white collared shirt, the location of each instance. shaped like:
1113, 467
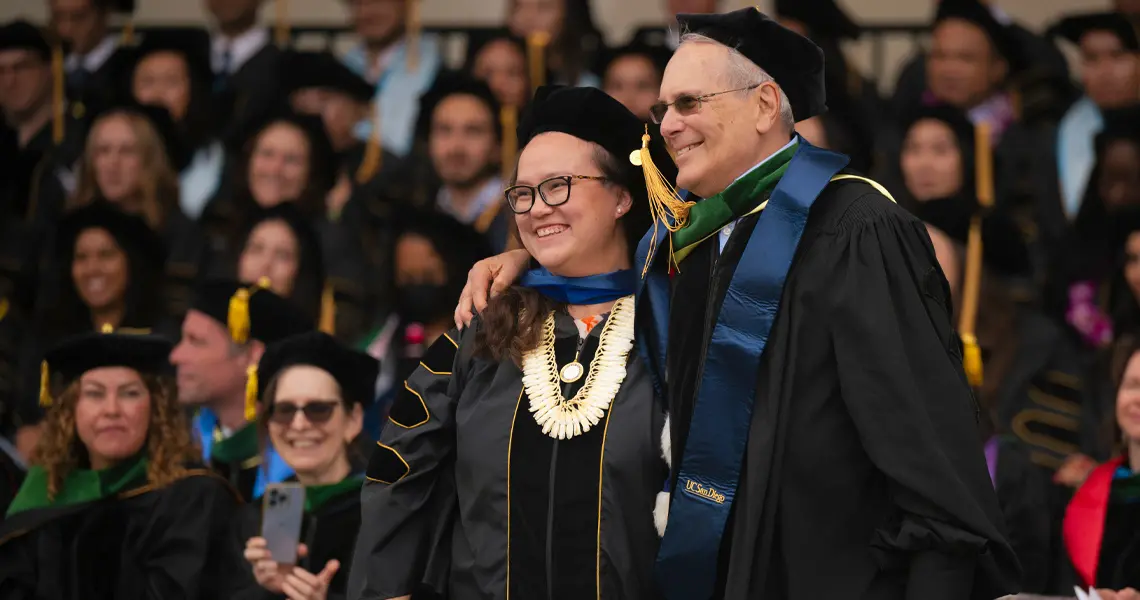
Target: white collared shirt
241, 49
726, 231
93, 60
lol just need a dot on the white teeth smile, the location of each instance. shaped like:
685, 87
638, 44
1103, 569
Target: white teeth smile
302, 444
549, 230
687, 148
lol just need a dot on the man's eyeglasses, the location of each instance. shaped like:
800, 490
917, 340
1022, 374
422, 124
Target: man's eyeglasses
318, 412
687, 104
553, 191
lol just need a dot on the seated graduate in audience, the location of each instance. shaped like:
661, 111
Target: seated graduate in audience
313, 392
172, 69
95, 59
384, 57
129, 162
462, 136
498, 58
1103, 518
632, 75
224, 334
566, 29
436, 511
117, 504
282, 247
431, 255
247, 68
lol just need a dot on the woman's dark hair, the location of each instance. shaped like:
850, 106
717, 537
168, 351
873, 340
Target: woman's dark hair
512, 321
355, 449
310, 279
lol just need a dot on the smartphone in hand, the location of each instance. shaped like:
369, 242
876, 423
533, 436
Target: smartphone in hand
282, 511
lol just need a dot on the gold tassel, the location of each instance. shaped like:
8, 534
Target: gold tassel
282, 26
373, 151
328, 310
536, 44
238, 317
972, 279
509, 117
665, 205
57, 93
412, 27
127, 38
107, 328
251, 393
45, 385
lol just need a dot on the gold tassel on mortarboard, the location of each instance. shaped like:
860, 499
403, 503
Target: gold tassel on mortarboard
665, 205
509, 118
57, 93
281, 32
536, 44
251, 393
328, 310
237, 318
373, 152
45, 385
412, 28
971, 286
127, 38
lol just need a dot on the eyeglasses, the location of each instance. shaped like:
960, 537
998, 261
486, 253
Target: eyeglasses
687, 104
316, 413
553, 191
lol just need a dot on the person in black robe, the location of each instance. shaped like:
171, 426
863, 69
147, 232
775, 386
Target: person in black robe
224, 334
282, 246
471, 493
95, 60
116, 505
632, 75
322, 402
247, 69
861, 376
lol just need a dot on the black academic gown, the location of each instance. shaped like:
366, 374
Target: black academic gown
484, 505
863, 475
1024, 494
250, 95
145, 543
329, 532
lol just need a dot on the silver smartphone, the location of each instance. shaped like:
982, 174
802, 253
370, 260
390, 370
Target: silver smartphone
282, 511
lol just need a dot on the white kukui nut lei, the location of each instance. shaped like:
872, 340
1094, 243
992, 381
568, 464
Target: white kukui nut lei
563, 419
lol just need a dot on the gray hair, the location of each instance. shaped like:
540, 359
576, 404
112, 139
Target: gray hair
742, 72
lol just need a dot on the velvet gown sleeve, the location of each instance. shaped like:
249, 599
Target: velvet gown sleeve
901, 378
408, 499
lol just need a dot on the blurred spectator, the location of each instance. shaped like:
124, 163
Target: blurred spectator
171, 69
499, 58
574, 40
463, 134
382, 58
246, 66
95, 61
314, 396
632, 75
667, 36
282, 245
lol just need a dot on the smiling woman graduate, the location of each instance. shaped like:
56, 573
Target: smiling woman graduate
115, 505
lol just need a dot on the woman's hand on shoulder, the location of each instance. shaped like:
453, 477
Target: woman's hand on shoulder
486, 279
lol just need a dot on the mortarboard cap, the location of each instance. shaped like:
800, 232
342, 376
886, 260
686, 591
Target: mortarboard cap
823, 18
191, 43
955, 119
73, 357
22, 35
980, 15
1074, 27
130, 232
249, 312
793, 61
354, 371
658, 55
323, 70
454, 83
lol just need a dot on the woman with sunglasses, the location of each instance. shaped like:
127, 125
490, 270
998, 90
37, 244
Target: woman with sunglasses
523, 458
314, 410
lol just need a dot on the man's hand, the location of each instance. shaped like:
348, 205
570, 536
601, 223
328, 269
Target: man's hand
489, 277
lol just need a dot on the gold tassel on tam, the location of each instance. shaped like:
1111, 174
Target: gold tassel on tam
509, 118
536, 44
665, 205
328, 310
281, 33
57, 93
251, 393
373, 152
127, 38
972, 279
412, 29
45, 385
237, 319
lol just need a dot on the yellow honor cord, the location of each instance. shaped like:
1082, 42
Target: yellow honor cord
57, 93
328, 310
251, 393
509, 117
971, 284
127, 38
45, 385
665, 205
536, 44
281, 32
412, 27
373, 150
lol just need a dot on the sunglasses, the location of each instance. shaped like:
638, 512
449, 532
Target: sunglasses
687, 104
317, 412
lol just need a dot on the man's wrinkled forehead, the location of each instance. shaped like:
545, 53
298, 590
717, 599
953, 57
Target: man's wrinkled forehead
696, 68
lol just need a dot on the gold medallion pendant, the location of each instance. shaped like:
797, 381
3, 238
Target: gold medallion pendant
571, 372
